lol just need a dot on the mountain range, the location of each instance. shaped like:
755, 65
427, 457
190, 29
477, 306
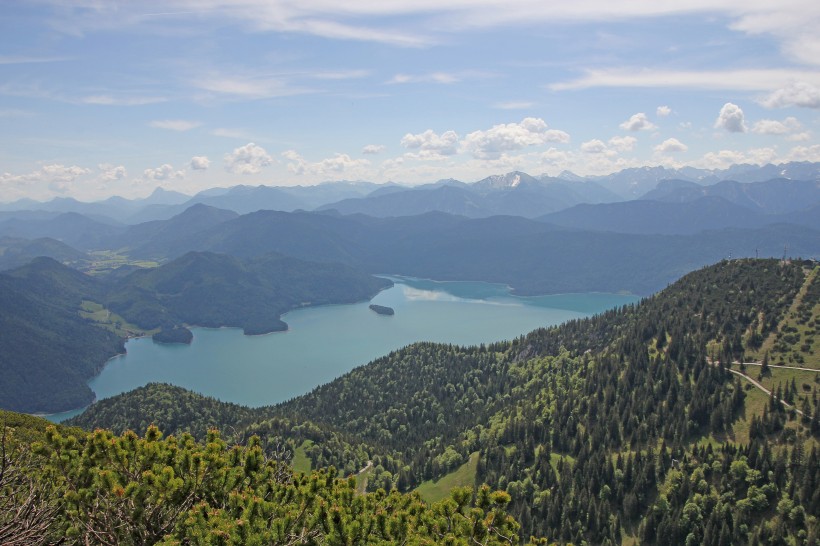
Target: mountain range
513, 193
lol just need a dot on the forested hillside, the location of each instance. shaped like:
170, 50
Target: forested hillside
631, 425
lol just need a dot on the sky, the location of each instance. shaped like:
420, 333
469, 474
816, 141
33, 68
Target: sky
119, 97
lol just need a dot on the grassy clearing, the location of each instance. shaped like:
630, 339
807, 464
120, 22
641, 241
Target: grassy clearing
112, 322
361, 480
797, 339
301, 462
105, 261
434, 491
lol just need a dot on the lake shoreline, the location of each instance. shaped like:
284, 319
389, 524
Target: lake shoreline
326, 341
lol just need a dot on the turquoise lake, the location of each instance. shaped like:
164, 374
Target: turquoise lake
323, 343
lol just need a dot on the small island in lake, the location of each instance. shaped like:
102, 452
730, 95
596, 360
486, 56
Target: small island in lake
382, 310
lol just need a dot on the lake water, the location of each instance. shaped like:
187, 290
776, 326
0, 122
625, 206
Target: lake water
323, 343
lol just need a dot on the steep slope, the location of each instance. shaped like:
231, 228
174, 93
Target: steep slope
47, 351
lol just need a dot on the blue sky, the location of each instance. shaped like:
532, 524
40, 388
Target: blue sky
101, 98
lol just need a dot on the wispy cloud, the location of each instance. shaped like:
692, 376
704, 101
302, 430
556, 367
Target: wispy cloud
744, 80
110, 100
514, 105
179, 125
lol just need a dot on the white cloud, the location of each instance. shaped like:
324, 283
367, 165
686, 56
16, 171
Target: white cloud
431, 145
671, 145
251, 87
556, 157
744, 80
799, 137
663, 111
55, 175
108, 100
798, 93
805, 153
731, 118
180, 125
792, 24
110, 173
594, 146
247, 159
373, 149
200, 163
163, 172
774, 127
622, 143
638, 122
514, 105
726, 158
434, 77
335, 165
490, 144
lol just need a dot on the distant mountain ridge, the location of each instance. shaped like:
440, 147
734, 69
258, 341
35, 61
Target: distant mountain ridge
626, 184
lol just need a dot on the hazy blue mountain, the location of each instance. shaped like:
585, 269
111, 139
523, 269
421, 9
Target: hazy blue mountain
515, 193
656, 217
16, 252
188, 223
106, 210
533, 257
587, 190
414, 201
71, 228
245, 199
776, 196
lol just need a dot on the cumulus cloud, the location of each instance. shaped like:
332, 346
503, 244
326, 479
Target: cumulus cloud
726, 158
663, 111
179, 125
57, 176
555, 157
111, 173
638, 122
490, 144
200, 163
163, 172
798, 93
805, 153
337, 164
622, 143
372, 149
431, 145
594, 146
731, 118
774, 127
247, 159
671, 145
